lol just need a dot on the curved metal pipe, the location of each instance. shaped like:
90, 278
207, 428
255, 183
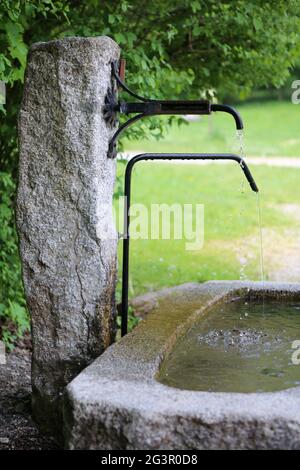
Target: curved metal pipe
115, 68
225, 108
112, 147
112, 151
127, 194
150, 107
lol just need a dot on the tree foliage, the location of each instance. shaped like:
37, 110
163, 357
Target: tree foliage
13, 316
174, 48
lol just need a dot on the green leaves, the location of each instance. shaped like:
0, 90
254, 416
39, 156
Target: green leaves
16, 18
13, 315
17, 50
227, 45
19, 316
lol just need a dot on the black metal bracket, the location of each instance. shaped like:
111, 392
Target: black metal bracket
127, 194
148, 107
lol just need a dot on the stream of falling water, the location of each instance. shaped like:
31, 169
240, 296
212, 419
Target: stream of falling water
262, 268
240, 140
241, 152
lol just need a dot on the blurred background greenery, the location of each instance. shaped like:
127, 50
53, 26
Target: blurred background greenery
236, 52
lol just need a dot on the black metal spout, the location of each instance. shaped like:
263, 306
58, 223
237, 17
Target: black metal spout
230, 110
148, 107
127, 194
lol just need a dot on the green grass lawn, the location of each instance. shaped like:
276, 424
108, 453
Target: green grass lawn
231, 246
271, 129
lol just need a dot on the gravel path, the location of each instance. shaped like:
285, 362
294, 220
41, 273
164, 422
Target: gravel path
17, 430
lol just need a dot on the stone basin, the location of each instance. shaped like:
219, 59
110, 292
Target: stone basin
118, 403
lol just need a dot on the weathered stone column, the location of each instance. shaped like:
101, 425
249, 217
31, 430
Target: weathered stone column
64, 203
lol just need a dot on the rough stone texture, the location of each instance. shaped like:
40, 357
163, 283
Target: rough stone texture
64, 204
116, 402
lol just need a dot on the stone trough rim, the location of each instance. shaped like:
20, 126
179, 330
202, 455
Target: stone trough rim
114, 383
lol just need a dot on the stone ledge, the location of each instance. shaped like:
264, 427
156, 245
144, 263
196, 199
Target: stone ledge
116, 403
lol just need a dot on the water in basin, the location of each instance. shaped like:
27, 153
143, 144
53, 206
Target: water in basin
238, 347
